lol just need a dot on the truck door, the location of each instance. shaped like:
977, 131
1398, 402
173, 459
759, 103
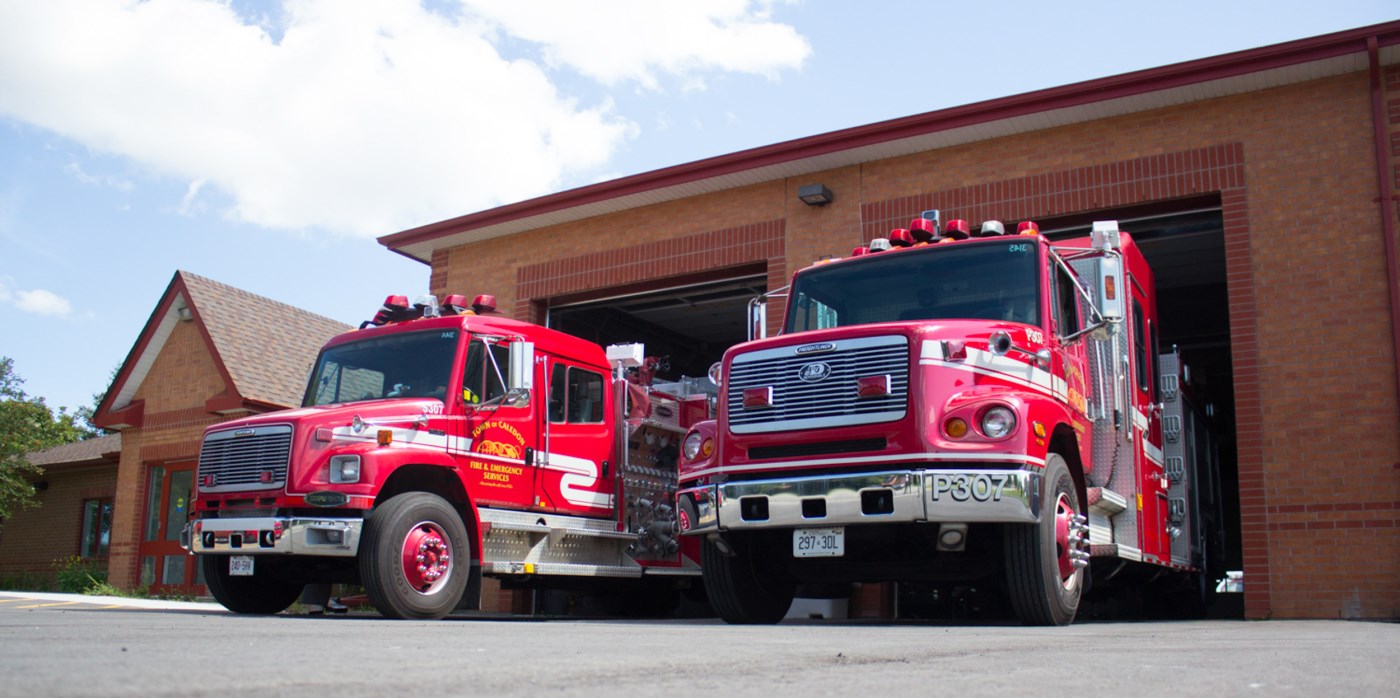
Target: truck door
499, 436
575, 475
1147, 429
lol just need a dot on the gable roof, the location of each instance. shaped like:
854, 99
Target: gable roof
263, 348
1181, 83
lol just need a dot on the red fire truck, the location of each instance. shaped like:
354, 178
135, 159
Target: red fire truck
947, 407
438, 445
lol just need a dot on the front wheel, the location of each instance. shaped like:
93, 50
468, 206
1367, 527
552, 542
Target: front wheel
414, 556
260, 593
745, 588
1045, 561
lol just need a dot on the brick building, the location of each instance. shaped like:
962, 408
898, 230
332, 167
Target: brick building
74, 517
209, 353
1261, 185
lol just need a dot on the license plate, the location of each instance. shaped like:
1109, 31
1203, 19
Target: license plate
240, 566
819, 542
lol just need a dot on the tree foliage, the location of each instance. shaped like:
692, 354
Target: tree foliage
26, 425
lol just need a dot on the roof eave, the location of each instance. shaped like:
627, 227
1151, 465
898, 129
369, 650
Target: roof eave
1077, 94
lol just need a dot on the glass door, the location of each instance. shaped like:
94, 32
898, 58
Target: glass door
166, 568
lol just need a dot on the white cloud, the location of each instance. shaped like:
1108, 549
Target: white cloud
78, 173
37, 301
623, 40
358, 118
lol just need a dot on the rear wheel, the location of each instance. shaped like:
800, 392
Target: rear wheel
261, 593
1043, 560
414, 556
745, 588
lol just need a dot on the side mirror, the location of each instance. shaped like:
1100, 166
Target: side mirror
522, 367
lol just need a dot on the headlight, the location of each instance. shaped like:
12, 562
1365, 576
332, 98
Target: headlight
998, 422
345, 469
692, 445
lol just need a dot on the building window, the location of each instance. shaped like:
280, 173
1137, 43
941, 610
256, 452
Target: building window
97, 528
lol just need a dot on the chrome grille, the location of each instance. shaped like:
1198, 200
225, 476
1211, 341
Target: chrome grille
825, 402
237, 459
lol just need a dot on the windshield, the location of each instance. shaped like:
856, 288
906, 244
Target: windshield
985, 281
414, 364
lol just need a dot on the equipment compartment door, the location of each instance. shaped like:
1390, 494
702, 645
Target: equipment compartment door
575, 475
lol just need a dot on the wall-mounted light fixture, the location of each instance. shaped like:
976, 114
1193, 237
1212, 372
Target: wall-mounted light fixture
815, 195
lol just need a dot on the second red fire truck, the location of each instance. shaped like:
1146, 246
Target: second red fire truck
954, 408
437, 446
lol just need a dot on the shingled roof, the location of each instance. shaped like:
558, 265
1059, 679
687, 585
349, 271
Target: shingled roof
263, 348
101, 450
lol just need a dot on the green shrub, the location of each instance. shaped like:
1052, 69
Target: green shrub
26, 581
77, 575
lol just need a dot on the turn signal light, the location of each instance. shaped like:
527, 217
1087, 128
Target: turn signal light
955, 428
384, 437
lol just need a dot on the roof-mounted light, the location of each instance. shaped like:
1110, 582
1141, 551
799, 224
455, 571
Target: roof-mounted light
923, 229
900, 237
454, 304
1028, 228
992, 229
483, 304
879, 245
862, 250
957, 229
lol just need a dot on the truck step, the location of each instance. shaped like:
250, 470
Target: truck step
560, 569
1106, 500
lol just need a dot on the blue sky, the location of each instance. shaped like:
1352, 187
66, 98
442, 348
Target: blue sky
266, 144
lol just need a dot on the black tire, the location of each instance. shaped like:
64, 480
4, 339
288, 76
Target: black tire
1040, 593
261, 594
428, 524
742, 589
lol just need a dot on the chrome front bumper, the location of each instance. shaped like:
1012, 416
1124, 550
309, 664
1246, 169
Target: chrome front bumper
905, 496
335, 537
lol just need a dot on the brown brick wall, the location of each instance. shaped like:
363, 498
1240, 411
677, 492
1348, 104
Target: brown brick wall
32, 539
1315, 382
182, 378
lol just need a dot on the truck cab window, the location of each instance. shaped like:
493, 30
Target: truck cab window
994, 280
1140, 346
1066, 303
578, 390
481, 381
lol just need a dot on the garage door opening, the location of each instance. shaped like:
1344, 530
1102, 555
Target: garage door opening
690, 325
1184, 243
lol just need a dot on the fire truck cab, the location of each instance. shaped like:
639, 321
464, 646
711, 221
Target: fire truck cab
951, 408
437, 445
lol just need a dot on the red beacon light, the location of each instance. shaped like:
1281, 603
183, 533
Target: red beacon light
395, 309
484, 304
992, 229
923, 229
1028, 228
900, 237
957, 229
860, 251
455, 304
